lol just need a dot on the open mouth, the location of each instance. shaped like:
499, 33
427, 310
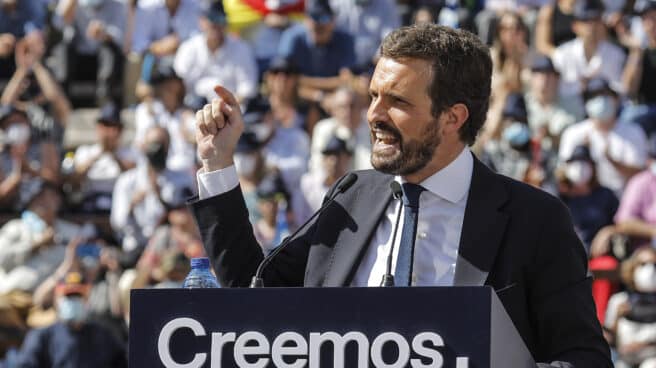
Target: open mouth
385, 138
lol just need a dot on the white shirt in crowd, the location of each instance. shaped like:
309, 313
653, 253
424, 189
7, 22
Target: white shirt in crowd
136, 227
232, 66
180, 124
361, 140
102, 175
441, 214
570, 61
625, 143
153, 21
111, 13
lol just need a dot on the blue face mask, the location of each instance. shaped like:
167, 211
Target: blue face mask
601, 108
33, 222
71, 309
517, 134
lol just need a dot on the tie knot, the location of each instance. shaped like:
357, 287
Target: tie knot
411, 194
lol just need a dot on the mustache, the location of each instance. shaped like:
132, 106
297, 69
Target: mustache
380, 126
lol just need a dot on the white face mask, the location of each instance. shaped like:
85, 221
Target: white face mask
644, 278
262, 131
18, 133
601, 108
71, 309
578, 172
245, 164
90, 3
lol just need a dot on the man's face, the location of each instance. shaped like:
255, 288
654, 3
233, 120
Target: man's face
214, 33
346, 109
171, 92
321, 33
544, 85
108, 135
404, 133
588, 30
336, 165
46, 205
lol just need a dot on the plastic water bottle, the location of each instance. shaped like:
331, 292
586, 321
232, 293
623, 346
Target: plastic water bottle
200, 276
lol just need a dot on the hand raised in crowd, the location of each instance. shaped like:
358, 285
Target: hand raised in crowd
601, 242
7, 44
218, 128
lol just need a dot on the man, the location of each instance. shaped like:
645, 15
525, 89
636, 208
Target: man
95, 46
215, 57
98, 165
430, 96
619, 149
73, 341
140, 195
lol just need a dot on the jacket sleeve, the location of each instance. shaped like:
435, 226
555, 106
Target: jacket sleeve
560, 297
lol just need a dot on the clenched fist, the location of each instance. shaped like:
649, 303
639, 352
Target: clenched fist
218, 128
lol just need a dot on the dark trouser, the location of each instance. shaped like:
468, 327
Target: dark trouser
105, 66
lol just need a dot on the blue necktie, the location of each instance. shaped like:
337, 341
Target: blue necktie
403, 273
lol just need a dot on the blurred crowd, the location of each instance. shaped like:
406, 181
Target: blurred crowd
573, 111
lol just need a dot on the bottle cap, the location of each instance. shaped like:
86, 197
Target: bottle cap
202, 262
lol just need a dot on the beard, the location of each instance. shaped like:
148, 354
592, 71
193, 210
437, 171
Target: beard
407, 156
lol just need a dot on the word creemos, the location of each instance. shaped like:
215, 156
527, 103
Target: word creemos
253, 349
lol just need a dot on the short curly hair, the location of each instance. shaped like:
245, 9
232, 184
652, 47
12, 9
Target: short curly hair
461, 69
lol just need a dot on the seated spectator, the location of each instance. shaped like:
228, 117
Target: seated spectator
348, 122
140, 196
19, 20
554, 26
631, 314
249, 164
369, 21
335, 163
267, 34
73, 341
546, 115
215, 57
591, 205
94, 48
619, 149
98, 165
167, 110
274, 225
319, 50
515, 154
635, 217
590, 55
25, 161
33, 89
640, 72
33, 246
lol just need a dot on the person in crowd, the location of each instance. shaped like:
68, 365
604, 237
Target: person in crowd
335, 163
592, 206
487, 19
631, 314
509, 52
515, 154
590, 55
92, 45
640, 71
249, 163
348, 122
267, 34
33, 246
98, 165
282, 87
635, 217
20, 20
167, 110
547, 116
272, 202
369, 21
25, 161
160, 27
215, 57
619, 149
423, 15
140, 194
320, 51
33, 89
73, 341
554, 26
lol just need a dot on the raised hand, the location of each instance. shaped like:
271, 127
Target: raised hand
218, 128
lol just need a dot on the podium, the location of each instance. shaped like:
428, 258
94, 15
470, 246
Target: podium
454, 327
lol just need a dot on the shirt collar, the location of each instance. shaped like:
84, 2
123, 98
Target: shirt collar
453, 181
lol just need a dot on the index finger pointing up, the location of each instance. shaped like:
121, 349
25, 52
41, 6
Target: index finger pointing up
226, 95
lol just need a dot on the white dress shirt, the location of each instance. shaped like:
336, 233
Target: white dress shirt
153, 21
441, 214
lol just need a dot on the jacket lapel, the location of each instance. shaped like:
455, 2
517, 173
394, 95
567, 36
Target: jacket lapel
368, 203
483, 227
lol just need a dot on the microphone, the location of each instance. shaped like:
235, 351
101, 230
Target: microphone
397, 193
342, 187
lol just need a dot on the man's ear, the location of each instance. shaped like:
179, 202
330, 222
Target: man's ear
454, 118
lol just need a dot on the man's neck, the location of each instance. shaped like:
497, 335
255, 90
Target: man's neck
590, 48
